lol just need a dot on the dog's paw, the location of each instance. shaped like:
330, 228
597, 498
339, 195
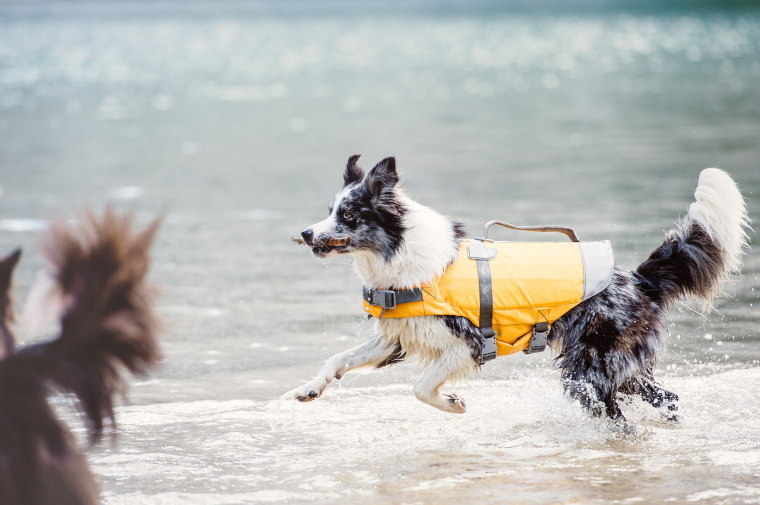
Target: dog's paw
671, 417
625, 428
456, 403
307, 396
308, 392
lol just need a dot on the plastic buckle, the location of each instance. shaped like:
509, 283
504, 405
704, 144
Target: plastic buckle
385, 298
538, 340
489, 350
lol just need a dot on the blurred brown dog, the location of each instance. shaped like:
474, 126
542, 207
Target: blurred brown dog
98, 269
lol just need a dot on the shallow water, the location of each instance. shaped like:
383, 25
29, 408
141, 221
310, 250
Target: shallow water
234, 122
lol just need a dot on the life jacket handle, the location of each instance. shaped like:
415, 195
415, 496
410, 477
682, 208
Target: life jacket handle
560, 229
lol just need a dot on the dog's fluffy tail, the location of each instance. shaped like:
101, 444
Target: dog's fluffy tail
99, 269
705, 246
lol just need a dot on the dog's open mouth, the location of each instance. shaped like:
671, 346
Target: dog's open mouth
323, 247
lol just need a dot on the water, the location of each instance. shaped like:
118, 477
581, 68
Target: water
234, 122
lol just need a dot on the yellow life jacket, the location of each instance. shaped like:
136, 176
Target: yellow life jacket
532, 284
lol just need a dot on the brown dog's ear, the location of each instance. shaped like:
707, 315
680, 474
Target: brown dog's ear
7, 265
7, 339
382, 178
353, 172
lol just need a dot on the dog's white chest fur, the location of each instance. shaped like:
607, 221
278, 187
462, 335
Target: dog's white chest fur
425, 336
428, 339
428, 248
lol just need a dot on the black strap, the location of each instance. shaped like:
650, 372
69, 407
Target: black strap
482, 254
389, 298
486, 311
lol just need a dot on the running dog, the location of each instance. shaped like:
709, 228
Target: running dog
97, 287
607, 344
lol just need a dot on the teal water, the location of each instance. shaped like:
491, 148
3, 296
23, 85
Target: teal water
234, 122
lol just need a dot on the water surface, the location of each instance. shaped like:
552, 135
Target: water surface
234, 123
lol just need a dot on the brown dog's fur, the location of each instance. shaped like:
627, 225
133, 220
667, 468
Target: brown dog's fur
100, 268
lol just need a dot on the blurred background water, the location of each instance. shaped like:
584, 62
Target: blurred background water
234, 119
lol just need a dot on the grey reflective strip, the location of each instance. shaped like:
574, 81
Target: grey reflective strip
598, 266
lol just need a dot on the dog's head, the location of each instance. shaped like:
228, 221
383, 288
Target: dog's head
366, 215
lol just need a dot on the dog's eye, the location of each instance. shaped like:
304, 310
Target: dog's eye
348, 215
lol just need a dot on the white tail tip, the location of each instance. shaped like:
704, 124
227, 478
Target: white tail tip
720, 208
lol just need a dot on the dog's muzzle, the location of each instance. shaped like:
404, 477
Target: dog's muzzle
322, 246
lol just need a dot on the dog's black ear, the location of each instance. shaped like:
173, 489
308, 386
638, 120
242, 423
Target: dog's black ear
353, 172
382, 178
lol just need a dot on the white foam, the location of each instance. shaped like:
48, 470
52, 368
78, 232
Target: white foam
209, 498
355, 440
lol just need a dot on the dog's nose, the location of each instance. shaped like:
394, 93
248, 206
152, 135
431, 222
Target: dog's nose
308, 236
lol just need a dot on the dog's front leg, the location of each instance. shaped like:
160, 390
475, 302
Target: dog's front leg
371, 353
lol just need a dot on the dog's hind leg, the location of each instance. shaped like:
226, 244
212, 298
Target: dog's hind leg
657, 396
653, 393
597, 402
586, 394
374, 352
612, 408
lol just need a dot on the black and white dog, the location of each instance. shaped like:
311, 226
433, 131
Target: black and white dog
606, 344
